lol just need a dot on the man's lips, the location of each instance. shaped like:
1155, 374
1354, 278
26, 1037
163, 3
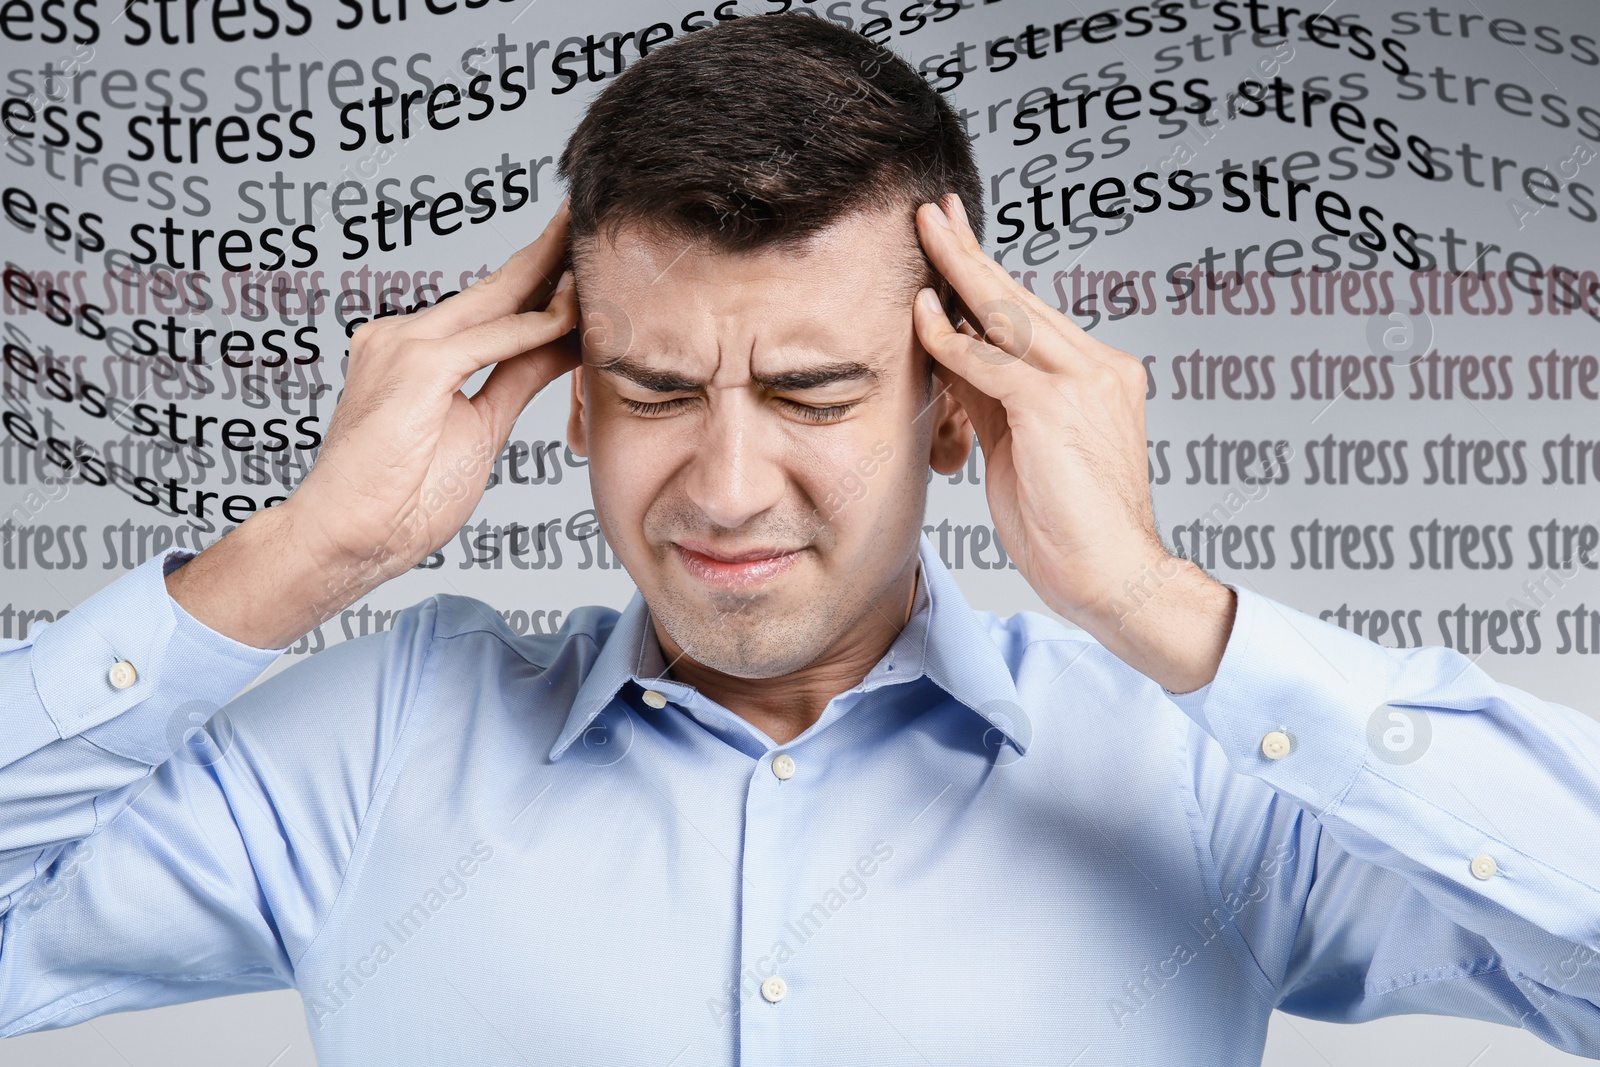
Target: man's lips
746, 555
727, 568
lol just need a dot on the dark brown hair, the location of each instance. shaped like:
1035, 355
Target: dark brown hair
757, 132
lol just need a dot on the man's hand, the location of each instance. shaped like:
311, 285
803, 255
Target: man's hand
1060, 419
407, 454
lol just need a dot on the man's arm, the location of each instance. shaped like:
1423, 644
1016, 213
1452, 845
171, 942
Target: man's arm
134, 867
89, 701
1424, 842
145, 860
1460, 882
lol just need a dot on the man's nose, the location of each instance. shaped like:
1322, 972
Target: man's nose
735, 474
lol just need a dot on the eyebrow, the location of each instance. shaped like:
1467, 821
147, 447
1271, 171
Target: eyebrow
658, 381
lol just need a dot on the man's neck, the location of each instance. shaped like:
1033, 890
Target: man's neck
783, 708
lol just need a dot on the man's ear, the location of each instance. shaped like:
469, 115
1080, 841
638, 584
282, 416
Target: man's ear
952, 431
578, 417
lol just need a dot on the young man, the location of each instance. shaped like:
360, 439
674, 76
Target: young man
798, 803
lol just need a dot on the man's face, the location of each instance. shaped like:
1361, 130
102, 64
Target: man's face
773, 405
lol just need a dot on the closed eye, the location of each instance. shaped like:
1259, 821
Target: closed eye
639, 407
804, 411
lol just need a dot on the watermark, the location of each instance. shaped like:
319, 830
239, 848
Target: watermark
55, 887
35, 501
745, 200
1541, 591
850, 886
1545, 987
852, 486
1007, 718
345, 584
1403, 336
1139, 591
1268, 66
1398, 735
1580, 156
26, 108
199, 732
1139, 991
999, 327
189, 740
606, 328
452, 884
607, 738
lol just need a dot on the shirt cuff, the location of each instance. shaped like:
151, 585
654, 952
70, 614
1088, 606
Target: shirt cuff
180, 666
1291, 700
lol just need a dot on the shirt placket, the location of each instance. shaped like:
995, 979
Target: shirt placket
773, 980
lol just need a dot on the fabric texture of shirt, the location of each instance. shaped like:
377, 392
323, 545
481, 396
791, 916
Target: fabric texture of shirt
1005, 846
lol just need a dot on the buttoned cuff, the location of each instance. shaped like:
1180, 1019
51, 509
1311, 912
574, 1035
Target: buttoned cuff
120, 666
1291, 700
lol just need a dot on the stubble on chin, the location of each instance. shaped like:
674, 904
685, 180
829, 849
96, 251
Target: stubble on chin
744, 636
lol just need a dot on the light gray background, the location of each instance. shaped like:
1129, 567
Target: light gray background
268, 1030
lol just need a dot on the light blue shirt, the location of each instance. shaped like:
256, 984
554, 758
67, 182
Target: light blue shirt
1005, 846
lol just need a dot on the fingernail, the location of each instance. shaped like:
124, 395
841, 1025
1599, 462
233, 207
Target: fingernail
565, 283
961, 208
939, 216
930, 299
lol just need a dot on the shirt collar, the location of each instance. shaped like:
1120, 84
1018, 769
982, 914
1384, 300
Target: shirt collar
944, 639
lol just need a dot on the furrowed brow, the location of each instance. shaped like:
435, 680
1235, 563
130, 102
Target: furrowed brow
815, 377
658, 381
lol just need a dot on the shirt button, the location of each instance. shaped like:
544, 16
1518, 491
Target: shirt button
1275, 745
774, 989
1484, 867
783, 765
122, 674
654, 699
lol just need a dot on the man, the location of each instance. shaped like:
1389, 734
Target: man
798, 803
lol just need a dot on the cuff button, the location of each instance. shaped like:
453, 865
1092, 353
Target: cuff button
1275, 745
122, 674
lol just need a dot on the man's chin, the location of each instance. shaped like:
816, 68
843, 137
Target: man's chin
756, 638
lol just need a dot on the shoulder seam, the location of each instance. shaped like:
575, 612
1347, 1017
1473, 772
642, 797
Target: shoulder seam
487, 627
402, 747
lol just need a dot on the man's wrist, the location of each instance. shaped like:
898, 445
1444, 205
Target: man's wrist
1168, 619
268, 581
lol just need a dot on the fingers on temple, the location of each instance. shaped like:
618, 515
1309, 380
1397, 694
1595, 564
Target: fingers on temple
462, 353
522, 283
1005, 312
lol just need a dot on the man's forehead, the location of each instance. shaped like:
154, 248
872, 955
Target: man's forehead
689, 313
860, 256
784, 368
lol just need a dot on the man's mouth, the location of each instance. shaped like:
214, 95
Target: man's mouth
734, 568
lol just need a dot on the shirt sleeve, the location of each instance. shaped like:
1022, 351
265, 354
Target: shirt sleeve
162, 841
1393, 832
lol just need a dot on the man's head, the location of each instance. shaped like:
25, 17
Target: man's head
758, 132
744, 246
